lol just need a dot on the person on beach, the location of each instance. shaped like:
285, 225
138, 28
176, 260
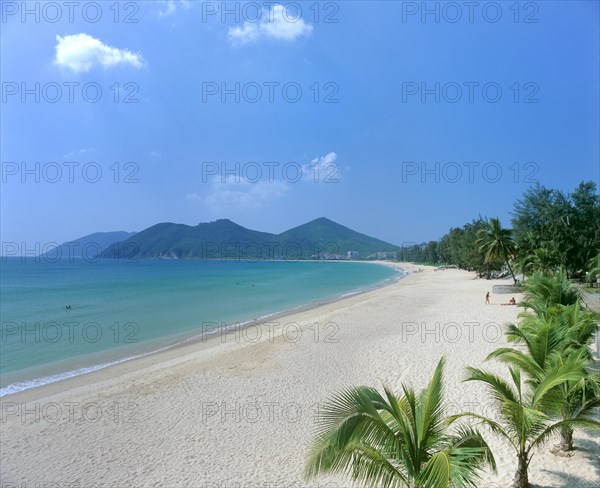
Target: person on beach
487, 298
512, 301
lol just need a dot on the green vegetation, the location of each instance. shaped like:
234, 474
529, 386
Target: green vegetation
567, 227
402, 441
224, 239
327, 236
525, 409
594, 269
497, 244
551, 230
396, 441
557, 330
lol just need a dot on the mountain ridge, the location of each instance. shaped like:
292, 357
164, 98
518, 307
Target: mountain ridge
224, 239
87, 246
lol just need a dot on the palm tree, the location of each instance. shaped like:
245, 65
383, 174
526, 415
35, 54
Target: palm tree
497, 243
581, 401
539, 260
553, 339
532, 256
554, 342
390, 441
525, 249
544, 293
523, 408
559, 330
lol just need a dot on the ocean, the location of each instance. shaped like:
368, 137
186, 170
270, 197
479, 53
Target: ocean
122, 310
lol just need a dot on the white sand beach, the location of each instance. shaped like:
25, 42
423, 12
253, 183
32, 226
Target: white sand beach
239, 411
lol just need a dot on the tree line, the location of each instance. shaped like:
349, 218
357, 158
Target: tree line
550, 230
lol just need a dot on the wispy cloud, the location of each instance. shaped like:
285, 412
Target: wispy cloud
274, 25
169, 7
322, 169
233, 191
79, 152
82, 52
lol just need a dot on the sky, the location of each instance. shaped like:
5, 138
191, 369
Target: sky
397, 119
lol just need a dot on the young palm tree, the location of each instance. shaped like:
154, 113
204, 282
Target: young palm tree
524, 407
564, 328
581, 401
390, 441
551, 340
549, 290
497, 243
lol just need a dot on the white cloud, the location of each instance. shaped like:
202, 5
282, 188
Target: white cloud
276, 24
81, 52
245, 34
229, 191
171, 6
324, 169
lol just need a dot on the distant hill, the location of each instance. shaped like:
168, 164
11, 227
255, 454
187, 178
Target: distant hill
326, 236
88, 246
224, 239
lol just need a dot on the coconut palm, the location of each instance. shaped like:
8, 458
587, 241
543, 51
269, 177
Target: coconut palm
581, 401
544, 292
533, 256
396, 441
558, 305
524, 410
497, 243
539, 260
553, 339
526, 246
563, 327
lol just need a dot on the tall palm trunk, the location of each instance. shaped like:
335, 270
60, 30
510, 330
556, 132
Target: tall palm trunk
511, 271
521, 479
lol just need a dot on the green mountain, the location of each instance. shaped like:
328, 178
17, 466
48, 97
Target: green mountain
224, 239
87, 246
325, 236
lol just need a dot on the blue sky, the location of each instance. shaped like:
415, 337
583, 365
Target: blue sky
371, 142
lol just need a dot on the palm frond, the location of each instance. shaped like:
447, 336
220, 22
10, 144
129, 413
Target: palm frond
499, 388
549, 431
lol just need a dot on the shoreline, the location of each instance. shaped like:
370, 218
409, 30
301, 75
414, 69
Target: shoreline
242, 412
196, 339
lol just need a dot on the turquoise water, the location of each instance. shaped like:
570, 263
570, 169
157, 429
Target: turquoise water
121, 310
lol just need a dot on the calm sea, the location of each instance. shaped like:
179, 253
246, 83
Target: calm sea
123, 310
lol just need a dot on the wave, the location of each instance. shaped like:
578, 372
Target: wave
46, 380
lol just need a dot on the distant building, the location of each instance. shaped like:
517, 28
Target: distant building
352, 254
